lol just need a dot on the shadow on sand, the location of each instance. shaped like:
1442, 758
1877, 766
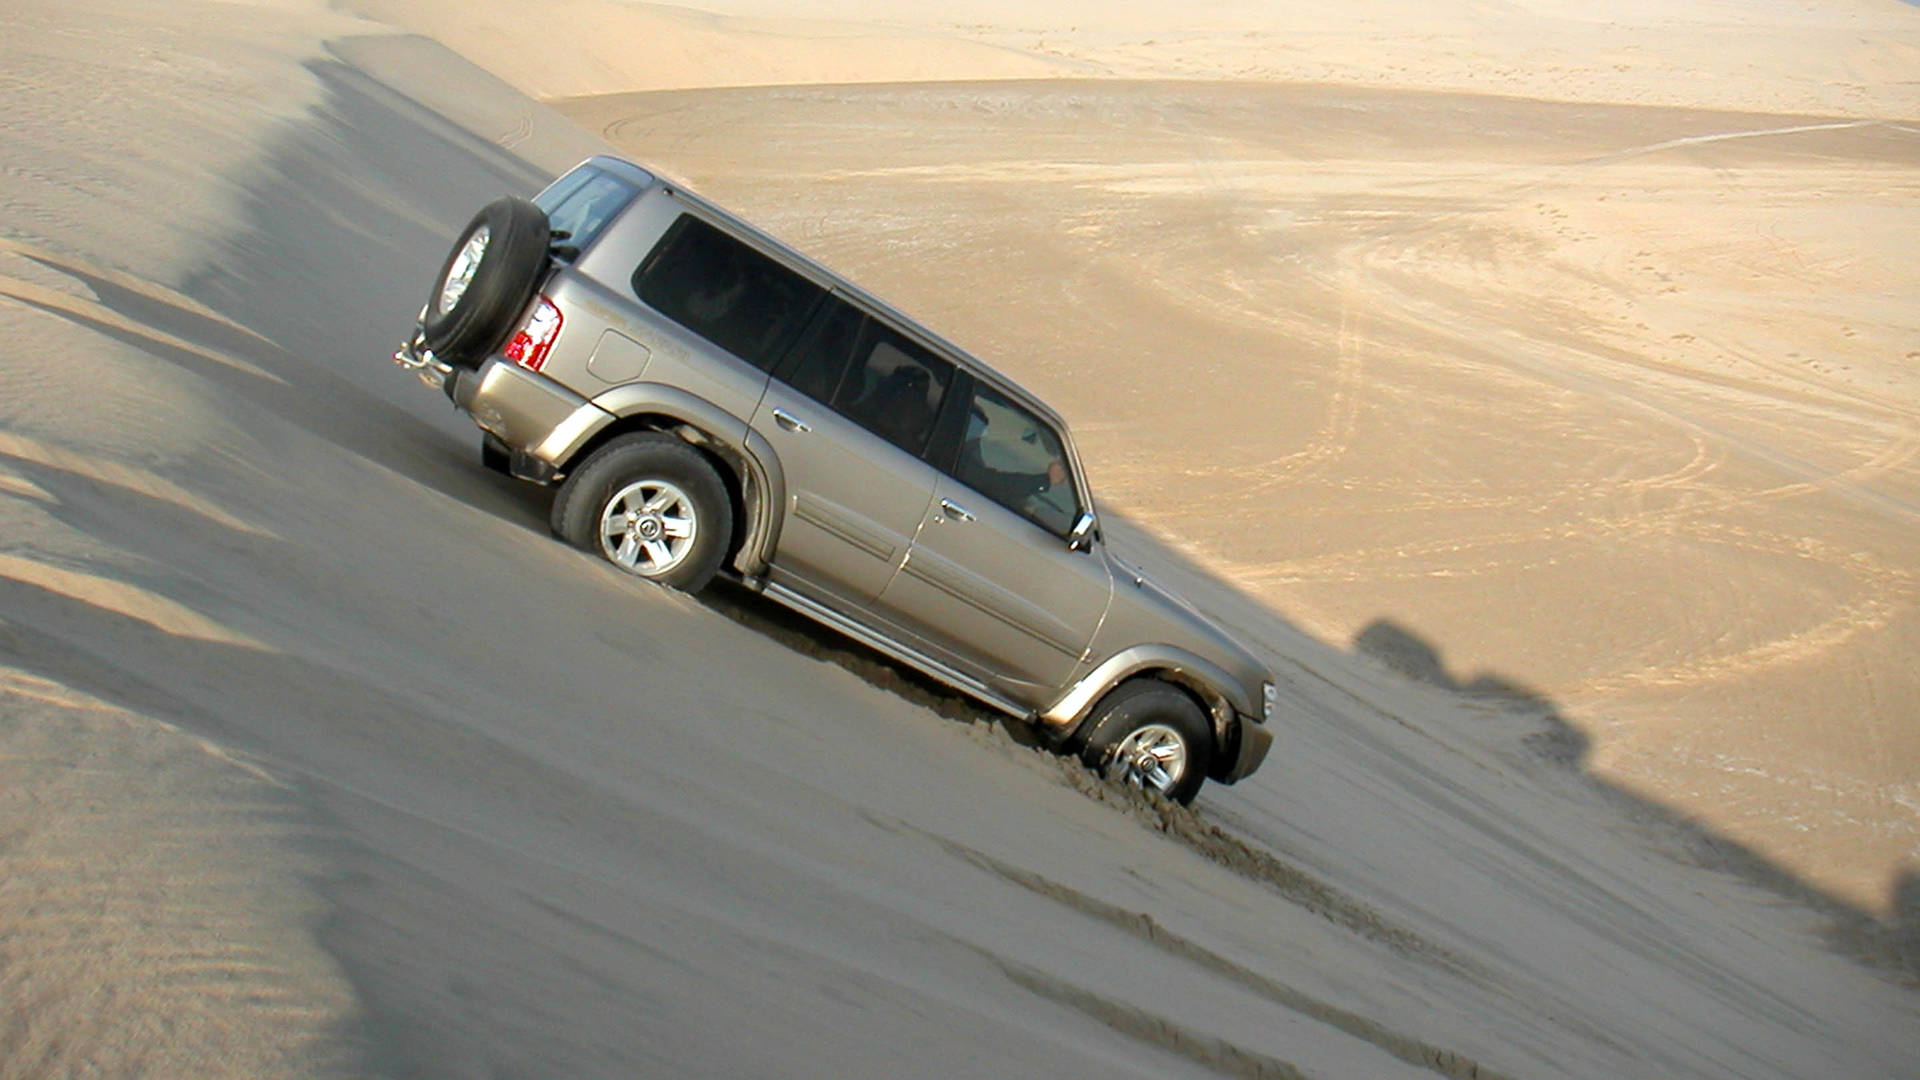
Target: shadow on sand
1893, 943
334, 298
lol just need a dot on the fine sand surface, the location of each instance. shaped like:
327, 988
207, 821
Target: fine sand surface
1558, 449
1616, 406
1607, 388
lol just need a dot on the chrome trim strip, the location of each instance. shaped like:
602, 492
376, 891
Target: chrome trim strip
911, 657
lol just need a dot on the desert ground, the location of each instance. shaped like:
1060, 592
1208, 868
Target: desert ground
1536, 384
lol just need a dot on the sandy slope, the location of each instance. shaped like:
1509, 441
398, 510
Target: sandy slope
1601, 401
1851, 57
1614, 400
317, 757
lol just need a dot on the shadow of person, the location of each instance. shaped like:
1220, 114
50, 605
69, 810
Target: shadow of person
1891, 942
1414, 658
1903, 926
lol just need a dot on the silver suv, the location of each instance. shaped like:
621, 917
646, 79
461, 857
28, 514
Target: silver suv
709, 401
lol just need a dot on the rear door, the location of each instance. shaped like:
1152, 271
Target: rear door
990, 579
850, 413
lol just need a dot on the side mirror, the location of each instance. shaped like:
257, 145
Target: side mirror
1085, 528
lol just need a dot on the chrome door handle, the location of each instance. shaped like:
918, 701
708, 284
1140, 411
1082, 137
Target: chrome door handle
955, 510
789, 421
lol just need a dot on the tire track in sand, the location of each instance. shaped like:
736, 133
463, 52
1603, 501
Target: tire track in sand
1214, 1053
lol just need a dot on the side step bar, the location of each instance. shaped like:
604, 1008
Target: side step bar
912, 658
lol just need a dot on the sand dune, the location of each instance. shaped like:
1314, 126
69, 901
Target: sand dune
1614, 402
1558, 449
1849, 57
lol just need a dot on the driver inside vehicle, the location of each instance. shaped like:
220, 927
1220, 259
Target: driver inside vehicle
1019, 464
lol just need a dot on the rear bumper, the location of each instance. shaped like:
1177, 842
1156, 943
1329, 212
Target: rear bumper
519, 407
529, 413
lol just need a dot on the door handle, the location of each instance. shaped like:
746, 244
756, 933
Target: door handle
954, 510
789, 421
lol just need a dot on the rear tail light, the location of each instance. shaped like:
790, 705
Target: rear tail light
530, 344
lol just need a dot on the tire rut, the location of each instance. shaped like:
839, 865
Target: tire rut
1207, 1050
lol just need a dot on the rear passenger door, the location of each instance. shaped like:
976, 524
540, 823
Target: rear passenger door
850, 412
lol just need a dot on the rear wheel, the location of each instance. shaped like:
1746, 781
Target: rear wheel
651, 505
1150, 734
486, 281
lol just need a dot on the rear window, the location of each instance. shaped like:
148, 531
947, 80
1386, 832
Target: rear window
582, 202
725, 291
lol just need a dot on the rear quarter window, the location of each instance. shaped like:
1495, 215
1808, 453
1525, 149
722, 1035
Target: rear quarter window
725, 291
582, 202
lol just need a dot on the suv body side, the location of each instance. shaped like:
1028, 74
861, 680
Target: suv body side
844, 510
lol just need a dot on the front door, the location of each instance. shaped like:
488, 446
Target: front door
990, 578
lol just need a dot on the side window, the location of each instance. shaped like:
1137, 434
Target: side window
817, 364
582, 202
725, 291
893, 387
1018, 460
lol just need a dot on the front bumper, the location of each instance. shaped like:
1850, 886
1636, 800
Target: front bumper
1254, 742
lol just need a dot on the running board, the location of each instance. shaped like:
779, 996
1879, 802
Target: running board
913, 658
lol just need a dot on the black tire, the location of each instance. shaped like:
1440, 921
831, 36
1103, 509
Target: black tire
1143, 715
634, 472
511, 259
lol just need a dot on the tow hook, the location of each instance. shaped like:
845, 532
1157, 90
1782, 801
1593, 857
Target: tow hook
414, 355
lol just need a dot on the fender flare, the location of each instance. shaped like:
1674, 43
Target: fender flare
756, 466
1217, 690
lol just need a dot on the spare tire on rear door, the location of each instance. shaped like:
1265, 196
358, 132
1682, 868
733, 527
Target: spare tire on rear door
486, 281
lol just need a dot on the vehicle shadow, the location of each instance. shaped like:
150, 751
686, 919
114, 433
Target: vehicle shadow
1892, 943
324, 304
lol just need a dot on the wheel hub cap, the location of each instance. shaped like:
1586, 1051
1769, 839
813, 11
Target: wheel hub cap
1155, 756
648, 527
465, 266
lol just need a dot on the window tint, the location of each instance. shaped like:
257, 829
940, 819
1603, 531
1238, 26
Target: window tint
582, 202
1017, 460
817, 365
725, 291
893, 388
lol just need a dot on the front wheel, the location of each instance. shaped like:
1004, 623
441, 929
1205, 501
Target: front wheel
651, 505
1150, 734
